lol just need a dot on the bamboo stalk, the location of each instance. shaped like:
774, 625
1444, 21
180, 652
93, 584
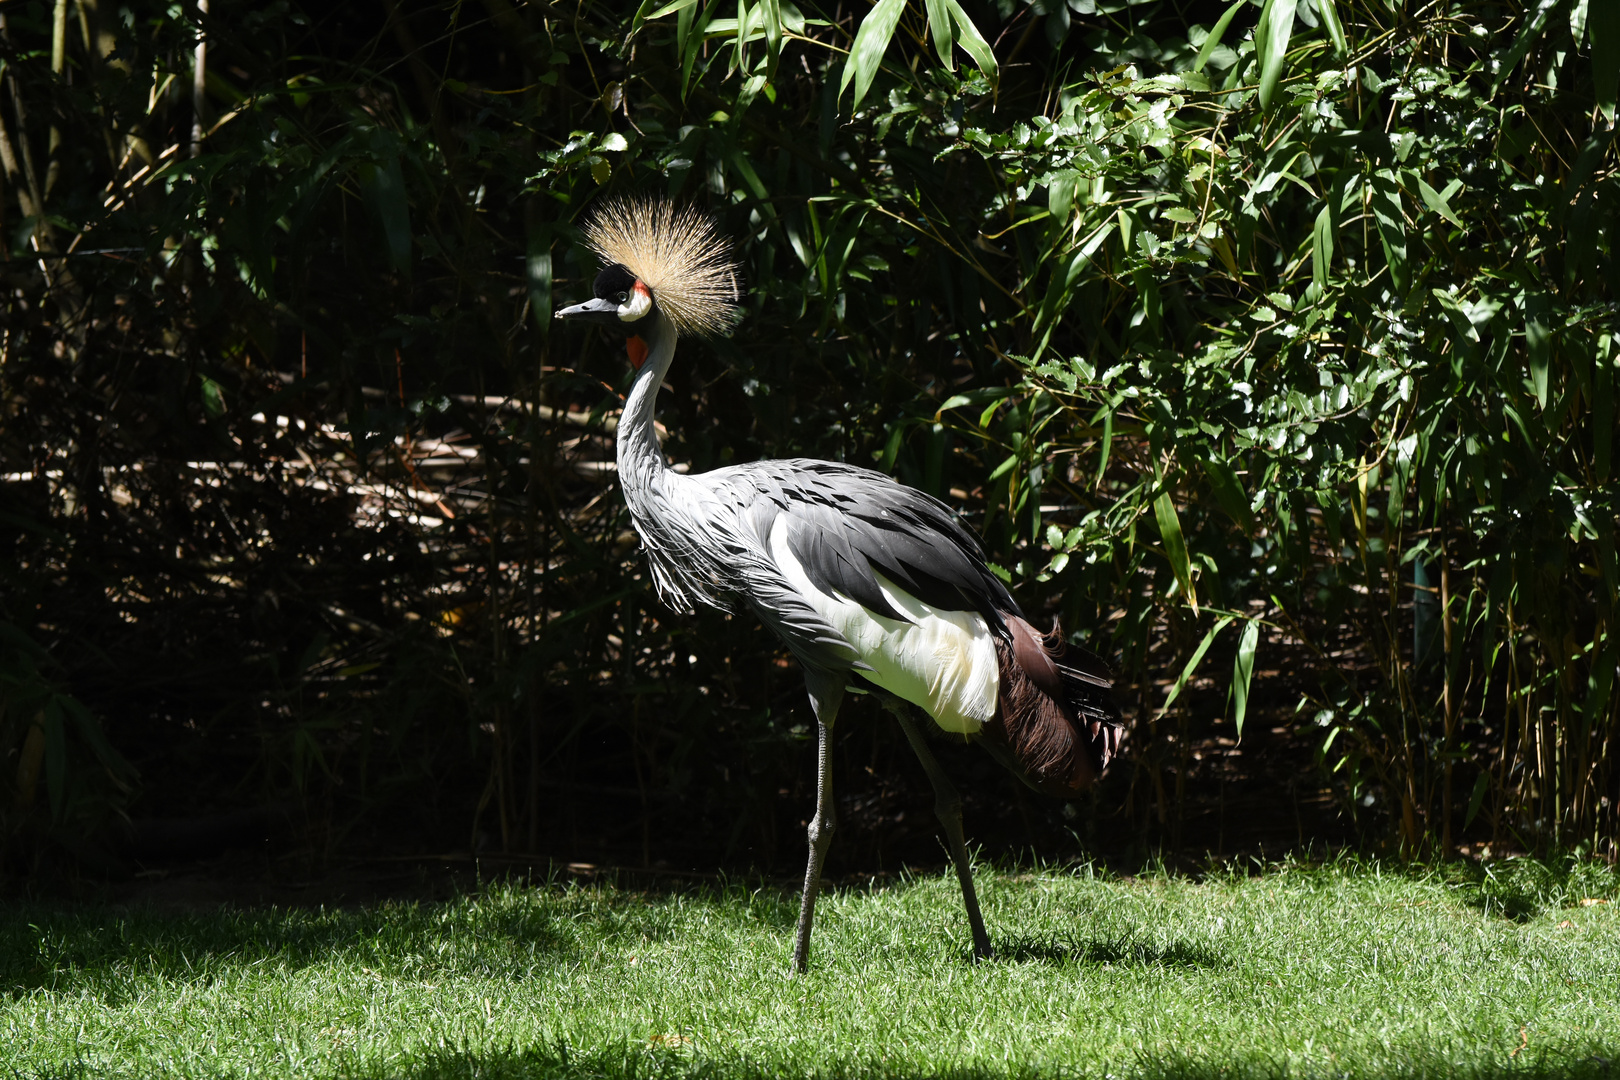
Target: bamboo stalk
53, 165
199, 81
1448, 703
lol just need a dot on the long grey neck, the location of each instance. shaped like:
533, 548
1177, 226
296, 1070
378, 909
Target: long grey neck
641, 459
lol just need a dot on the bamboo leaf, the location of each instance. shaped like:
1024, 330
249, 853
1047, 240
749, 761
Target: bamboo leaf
1438, 202
684, 39
1322, 247
1271, 35
1459, 318
643, 11
1528, 35
671, 8
537, 269
891, 449
1003, 469
745, 169
1477, 798
1223, 248
1229, 493
1192, 664
1213, 42
1603, 28
739, 55
1335, 29
384, 186
941, 30
771, 12
1175, 546
1386, 207
1060, 288
871, 42
1243, 672
213, 397
1600, 683
1603, 406
1608, 565
973, 43
1107, 446
690, 30
1538, 344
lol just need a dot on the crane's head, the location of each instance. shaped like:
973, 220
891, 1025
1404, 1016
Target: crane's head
659, 261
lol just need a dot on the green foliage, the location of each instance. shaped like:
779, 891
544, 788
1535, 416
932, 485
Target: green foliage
1356, 396
1289, 342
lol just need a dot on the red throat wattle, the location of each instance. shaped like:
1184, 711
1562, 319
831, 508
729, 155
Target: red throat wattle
637, 349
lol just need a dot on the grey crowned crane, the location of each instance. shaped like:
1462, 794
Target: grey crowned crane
873, 586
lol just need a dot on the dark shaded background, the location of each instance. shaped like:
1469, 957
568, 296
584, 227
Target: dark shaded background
312, 550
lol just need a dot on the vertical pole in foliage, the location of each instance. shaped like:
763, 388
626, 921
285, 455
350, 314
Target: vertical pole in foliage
1447, 702
58, 65
18, 161
199, 81
539, 274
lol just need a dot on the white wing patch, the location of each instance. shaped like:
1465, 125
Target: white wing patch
942, 661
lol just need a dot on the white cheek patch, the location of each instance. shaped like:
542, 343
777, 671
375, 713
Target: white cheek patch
636, 305
942, 661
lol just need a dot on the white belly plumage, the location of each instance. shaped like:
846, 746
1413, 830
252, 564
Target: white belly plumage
942, 661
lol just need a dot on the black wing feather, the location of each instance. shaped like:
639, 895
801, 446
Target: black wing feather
827, 556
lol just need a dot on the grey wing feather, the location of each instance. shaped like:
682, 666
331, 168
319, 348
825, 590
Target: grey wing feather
703, 543
846, 525
708, 535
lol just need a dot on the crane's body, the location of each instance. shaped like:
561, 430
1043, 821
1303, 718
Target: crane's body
871, 584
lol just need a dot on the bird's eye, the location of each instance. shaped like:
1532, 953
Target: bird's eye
621, 297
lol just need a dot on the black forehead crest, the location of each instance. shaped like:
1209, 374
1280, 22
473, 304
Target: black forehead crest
613, 280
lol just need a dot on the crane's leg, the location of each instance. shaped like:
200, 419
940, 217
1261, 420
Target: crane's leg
948, 808
825, 694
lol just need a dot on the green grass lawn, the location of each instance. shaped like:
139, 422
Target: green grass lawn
1351, 969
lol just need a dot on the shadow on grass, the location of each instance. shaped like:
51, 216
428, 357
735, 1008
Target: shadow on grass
630, 1062
636, 1063
1121, 952
98, 950
624, 1062
1522, 889
1518, 888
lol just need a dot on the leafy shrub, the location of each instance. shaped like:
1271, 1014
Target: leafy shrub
1295, 343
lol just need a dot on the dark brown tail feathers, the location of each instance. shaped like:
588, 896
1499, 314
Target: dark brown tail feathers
1054, 712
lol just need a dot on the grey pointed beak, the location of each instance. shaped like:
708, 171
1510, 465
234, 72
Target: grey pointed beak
597, 310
